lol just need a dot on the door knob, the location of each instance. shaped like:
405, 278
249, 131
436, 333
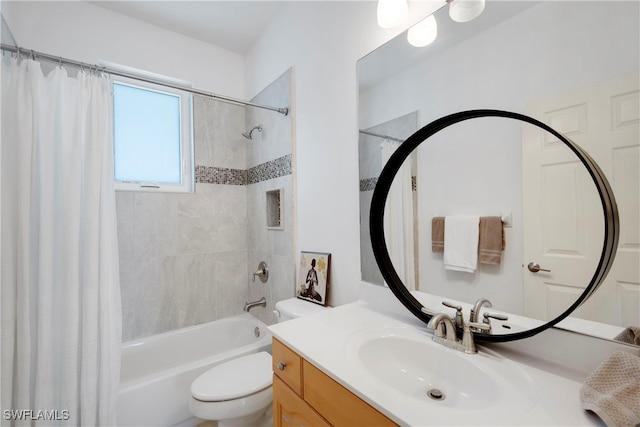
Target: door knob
534, 267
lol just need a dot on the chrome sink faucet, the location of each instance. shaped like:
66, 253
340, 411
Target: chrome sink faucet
445, 332
459, 320
468, 343
475, 311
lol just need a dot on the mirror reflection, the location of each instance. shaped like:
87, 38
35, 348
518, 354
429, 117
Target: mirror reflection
572, 65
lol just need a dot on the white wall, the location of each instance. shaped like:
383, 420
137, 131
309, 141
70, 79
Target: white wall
87, 33
323, 41
9, 10
5, 35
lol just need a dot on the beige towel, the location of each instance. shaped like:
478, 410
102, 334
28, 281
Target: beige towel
491, 241
437, 234
612, 391
630, 335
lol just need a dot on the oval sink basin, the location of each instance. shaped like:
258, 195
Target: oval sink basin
408, 361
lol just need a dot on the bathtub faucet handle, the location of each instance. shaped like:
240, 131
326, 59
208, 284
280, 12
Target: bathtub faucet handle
262, 273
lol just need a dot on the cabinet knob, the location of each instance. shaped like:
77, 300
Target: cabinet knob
281, 366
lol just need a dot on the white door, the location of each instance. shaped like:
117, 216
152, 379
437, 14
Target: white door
562, 212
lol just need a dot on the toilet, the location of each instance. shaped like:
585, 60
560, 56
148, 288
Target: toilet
239, 392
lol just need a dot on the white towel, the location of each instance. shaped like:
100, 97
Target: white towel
461, 242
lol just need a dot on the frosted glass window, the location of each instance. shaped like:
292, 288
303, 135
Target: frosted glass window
152, 139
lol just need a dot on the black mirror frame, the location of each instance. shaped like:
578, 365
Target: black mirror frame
381, 191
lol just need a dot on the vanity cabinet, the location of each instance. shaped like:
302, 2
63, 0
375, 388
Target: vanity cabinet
303, 395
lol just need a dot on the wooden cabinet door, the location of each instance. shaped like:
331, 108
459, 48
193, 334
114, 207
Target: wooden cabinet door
290, 410
337, 404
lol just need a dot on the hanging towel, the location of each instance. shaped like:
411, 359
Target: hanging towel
491, 240
437, 234
630, 335
461, 243
612, 391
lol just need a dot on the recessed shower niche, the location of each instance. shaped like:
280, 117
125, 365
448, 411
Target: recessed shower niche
274, 206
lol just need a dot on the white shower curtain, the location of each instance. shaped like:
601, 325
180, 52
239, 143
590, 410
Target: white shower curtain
398, 219
61, 318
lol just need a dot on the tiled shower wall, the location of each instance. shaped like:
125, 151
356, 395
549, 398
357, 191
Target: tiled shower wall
269, 160
370, 164
184, 258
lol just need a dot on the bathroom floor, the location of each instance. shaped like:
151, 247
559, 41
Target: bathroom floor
265, 421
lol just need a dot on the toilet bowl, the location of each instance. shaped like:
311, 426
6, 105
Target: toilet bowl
239, 392
236, 393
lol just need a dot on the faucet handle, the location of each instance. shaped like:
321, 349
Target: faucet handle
262, 273
487, 319
459, 320
496, 316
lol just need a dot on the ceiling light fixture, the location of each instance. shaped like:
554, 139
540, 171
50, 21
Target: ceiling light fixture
392, 13
465, 10
424, 32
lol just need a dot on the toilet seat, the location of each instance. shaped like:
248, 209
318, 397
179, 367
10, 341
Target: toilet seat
222, 383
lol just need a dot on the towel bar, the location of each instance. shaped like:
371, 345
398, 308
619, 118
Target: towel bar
507, 219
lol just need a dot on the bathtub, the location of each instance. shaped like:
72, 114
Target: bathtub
157, 371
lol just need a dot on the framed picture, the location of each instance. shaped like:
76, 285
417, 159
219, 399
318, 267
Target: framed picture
313, 277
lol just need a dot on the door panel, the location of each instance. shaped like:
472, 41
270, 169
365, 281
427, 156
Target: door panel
562, 211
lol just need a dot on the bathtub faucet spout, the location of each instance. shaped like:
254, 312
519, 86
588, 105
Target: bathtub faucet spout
262, 302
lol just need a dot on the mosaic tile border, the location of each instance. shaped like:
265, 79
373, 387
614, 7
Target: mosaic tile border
215, 175
270, 170
369, 184
226, 176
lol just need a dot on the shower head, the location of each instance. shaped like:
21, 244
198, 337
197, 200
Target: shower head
248, 133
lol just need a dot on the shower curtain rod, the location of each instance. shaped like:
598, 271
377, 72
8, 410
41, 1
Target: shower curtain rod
377, 135
64, 61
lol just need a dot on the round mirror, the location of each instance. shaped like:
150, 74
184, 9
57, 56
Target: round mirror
395, 162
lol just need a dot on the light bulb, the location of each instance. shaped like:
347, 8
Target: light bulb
391, 13
424, 32
465, 10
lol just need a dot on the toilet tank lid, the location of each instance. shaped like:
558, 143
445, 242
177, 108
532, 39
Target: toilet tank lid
234, 379
296, 307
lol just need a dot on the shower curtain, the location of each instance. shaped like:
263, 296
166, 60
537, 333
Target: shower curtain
398, 219
61, 319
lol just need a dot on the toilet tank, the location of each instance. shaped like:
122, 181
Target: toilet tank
295, 307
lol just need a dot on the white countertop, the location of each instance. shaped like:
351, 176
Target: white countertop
322, 339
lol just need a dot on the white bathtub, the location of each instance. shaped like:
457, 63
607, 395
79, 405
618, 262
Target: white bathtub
157, 371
